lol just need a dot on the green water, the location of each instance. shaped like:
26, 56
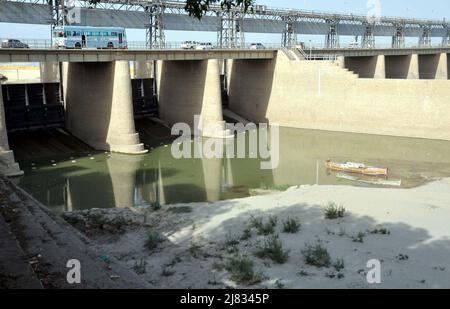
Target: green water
103, 180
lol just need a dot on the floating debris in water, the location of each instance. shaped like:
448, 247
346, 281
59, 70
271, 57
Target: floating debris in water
54, 164
73, 161
92, 158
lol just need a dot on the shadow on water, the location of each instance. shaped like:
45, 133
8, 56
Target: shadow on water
101, 180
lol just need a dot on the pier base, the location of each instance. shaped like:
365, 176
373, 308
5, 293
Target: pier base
8, 165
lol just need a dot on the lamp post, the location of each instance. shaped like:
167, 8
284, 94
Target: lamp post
310, 49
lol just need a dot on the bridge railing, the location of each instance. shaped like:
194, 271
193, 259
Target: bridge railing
307, 48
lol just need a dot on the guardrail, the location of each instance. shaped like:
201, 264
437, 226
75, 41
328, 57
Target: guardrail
47, 44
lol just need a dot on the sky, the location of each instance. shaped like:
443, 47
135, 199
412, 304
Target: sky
430, 9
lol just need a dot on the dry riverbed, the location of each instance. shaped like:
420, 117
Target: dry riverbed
306, 237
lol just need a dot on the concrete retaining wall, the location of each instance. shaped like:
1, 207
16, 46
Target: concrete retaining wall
320, 95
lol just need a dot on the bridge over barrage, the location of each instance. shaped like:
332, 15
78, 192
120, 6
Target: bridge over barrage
158, 16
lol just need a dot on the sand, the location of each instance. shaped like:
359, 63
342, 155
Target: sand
193, 247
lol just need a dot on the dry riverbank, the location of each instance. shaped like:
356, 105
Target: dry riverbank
213, 245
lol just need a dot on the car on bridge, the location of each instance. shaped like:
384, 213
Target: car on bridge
189, 45
12, 43
204, 46
257, 46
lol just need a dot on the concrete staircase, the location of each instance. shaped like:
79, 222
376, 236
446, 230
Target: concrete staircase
300, 55
36, 245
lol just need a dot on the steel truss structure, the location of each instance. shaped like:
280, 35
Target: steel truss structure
332, 38
289, 36
425, 37
230, 33
398, 40
446, 37
155, 35
368, 38
232, 25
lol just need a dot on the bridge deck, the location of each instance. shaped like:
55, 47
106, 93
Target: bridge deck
94, 55
359, 52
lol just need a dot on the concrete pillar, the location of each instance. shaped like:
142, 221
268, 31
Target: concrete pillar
380, 67
442, 70
413, 71
189, 88
99, 106
143, 69
433, 66
341, 62
8, 166
49, 72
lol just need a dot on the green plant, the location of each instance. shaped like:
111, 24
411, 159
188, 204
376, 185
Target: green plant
339, 264
247, 234
316, 255
242, 271
359, 237
153, 240
262, 228
279, 284
380, 231
303, 273
291, 225
273, 221
195, 250
334, 211
231, 243
167, 272
273, 249
175, 261
140, 267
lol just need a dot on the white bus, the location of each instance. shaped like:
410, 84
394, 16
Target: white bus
89, 37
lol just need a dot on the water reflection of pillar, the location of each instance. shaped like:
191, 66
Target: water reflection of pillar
160, 187
227, 175
122, 170
212, 175
68, 196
